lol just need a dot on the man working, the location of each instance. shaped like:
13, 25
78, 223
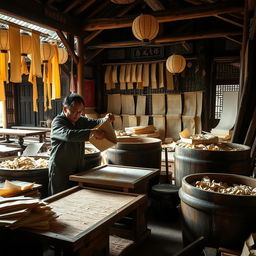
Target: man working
69, 132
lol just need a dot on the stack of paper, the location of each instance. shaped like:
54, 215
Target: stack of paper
13, 187
26, 212
108, 141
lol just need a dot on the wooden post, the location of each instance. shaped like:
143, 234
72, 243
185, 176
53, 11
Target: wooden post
80, 67
4, 114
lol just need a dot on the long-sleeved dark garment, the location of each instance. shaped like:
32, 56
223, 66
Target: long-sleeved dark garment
67, 154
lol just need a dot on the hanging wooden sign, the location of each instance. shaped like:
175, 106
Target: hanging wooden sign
146, 52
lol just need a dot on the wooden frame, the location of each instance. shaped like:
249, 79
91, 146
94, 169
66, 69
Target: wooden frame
65, 235
125, 178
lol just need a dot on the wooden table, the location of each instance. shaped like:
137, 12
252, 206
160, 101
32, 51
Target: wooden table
125, 178
9, 151
84, 222
35, 128
21, 134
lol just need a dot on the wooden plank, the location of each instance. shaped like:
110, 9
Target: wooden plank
168, 16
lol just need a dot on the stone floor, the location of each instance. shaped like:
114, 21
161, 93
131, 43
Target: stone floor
165, 238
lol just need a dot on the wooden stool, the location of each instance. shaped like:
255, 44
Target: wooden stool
165, 200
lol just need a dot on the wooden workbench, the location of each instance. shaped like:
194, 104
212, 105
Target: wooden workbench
85, 220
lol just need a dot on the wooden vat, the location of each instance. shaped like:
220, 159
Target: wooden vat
225, 220
188, 161
39, 175
140, 152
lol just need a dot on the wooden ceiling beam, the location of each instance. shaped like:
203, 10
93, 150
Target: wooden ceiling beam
168, 16
93, 55
99, 9
194, 2
222, 17
73, 4
67, 45
123, 12
39, 14
155, 5
169, 39
86, 5
234, 40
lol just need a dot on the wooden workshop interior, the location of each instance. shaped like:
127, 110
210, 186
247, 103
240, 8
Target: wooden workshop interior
170, 71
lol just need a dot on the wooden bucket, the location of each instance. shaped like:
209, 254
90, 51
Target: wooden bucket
188, 161
135, 151
225, 220
39, 175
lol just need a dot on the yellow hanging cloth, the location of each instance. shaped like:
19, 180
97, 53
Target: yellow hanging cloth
24, 67
3, 74
2, 91
56, 90
35, 67
14, 43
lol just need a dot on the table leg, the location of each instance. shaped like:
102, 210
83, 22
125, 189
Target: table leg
7, 137
166, 165
41, 138
21, 141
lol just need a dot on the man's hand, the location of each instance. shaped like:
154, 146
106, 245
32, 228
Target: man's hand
109, 117
98, 134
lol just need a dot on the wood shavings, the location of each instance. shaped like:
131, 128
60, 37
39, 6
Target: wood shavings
210, 147
24, 163
221, 187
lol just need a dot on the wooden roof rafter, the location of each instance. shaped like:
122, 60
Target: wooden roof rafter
70, 49
229, 20
39, 14
73, 4
168, 16
98, 9
168, 39
122, 13
86, 5
155, 5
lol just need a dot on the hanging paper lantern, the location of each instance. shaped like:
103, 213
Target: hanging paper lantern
4, 39
145, 27
122, 1
25, 44
63, 55
46, 50
175, 63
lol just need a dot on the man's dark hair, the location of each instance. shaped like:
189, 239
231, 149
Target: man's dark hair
72, 99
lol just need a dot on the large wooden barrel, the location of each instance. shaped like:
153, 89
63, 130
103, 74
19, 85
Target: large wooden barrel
39, 175
135, 151
188, 161
225, 220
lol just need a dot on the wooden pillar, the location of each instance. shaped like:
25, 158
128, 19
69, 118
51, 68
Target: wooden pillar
80, 67
4, 114
243, 50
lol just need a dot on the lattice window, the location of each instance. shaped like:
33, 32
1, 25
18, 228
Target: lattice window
220, 88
